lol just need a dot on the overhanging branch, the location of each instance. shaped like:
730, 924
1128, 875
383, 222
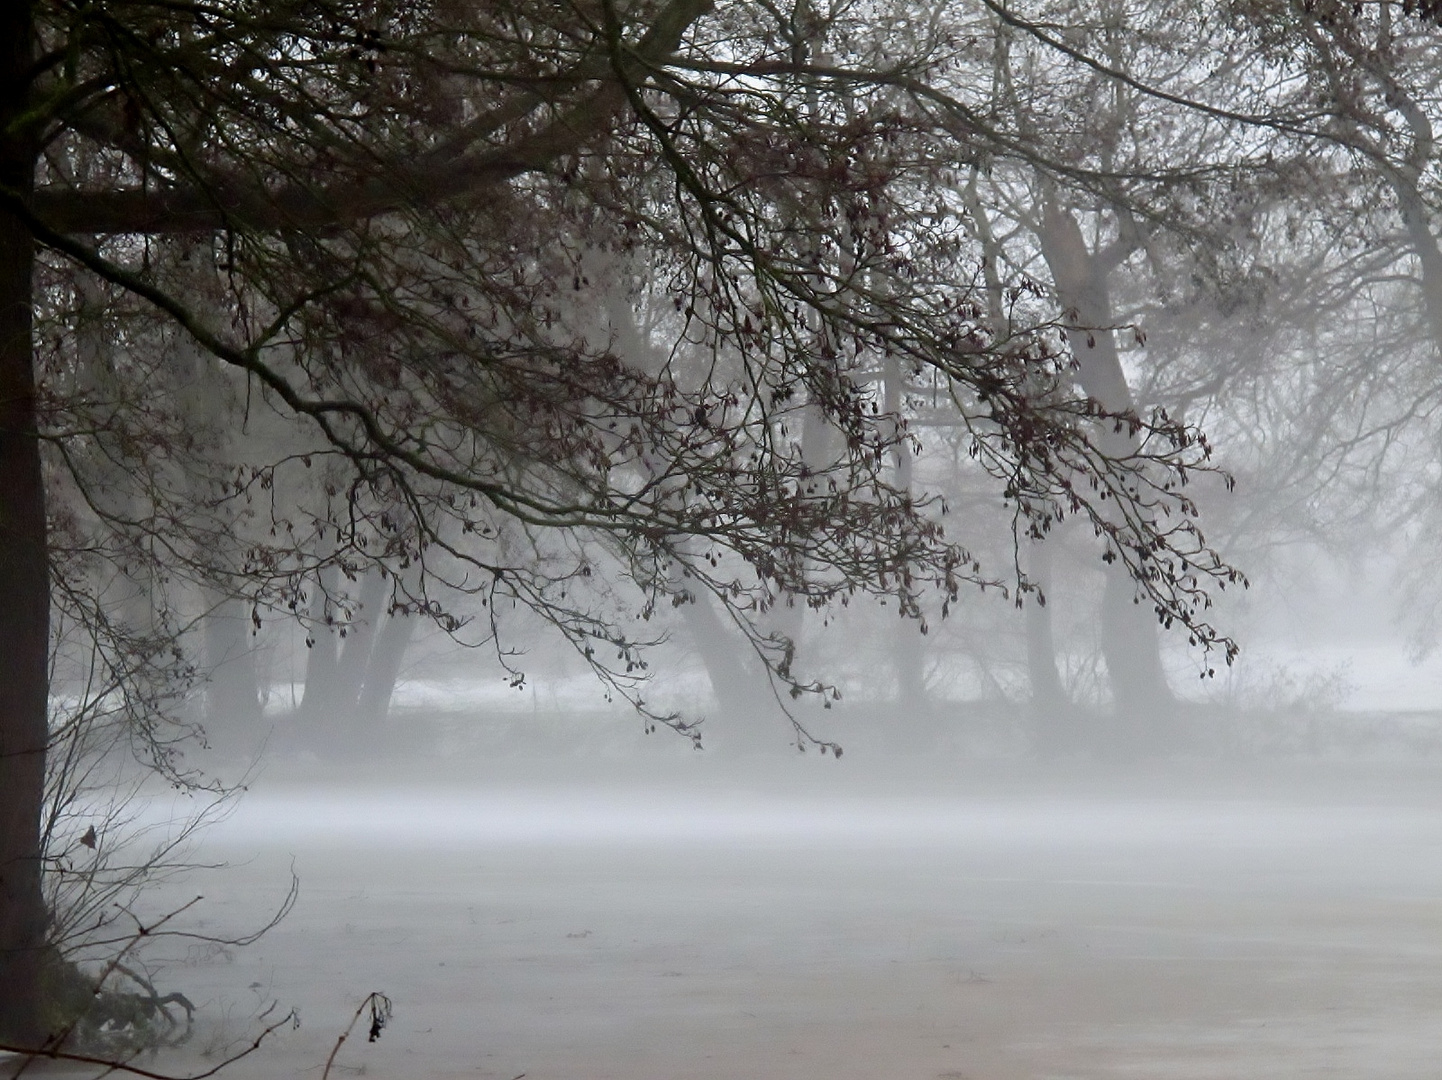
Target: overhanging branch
234, 202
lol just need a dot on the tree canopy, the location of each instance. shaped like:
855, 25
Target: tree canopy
583, 307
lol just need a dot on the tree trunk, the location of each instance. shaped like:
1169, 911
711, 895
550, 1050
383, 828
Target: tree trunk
324, 652
1130, 642
232, 694
1049, 704
359, 641
24, 579
908, 645
1130, 647
1048, 696
742, 694
385, 667
1417, 219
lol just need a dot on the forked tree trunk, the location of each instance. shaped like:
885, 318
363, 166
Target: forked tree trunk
360, 637
350, 681
382, 672
743, 694
1130, 642
24, 578
1048, 696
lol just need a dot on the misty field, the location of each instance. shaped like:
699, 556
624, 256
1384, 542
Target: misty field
810, 920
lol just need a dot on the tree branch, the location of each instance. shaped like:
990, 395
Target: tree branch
234, 202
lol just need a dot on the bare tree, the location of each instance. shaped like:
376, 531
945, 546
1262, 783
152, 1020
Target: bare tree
397, 202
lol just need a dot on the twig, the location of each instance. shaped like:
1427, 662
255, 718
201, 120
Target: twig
380, 1007
111, 1065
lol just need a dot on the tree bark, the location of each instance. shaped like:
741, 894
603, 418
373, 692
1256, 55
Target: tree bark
324, 651
374, 705
1417, 219
355, 651
24, 577
1130, 642
908, 645
742, 695
1048, 696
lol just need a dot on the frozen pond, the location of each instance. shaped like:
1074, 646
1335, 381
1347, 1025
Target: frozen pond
831, 925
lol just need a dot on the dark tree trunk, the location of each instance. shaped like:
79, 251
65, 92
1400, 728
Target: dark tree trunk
742, 691
359, 641
24, 579
385, 667
1130, 642
338, 668
323, 654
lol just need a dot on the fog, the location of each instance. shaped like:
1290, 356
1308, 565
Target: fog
543, 887
805, 918
721, 538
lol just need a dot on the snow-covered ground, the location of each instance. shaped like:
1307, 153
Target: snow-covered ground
820, 921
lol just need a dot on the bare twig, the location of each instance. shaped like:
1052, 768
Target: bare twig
111, 1065
380, 1010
